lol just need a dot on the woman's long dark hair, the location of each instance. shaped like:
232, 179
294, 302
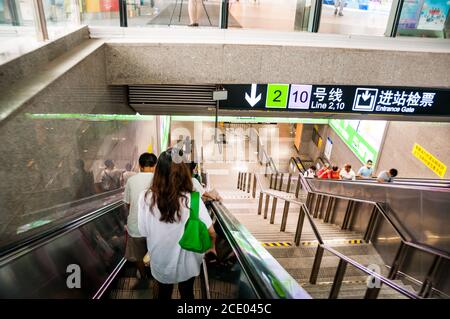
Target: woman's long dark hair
170, 183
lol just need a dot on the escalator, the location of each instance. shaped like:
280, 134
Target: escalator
342, 233
243, 269
81, 255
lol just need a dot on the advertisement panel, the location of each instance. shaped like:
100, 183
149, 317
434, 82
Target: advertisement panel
362, 137
410, 14
102, 5
433, 15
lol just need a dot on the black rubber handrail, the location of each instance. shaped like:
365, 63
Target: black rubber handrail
400, 233
398, 180
322, 244
264, 278
421, 184
17, 247
384, 280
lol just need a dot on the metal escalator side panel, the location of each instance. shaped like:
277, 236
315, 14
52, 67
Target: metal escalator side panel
267, 277
72, 263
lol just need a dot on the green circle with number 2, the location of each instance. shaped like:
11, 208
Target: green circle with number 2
277, 96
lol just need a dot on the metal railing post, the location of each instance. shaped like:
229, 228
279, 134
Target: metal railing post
281, 182
427, 285
275, 181
288, 187
316, 265
271, 179
254, 186
266, 206
338, 277
244, 179
274, 208
285, 215
325, 199
348, 211
249, 181
239, 180
330, 208
309, 200
260, 202
370, 226
317, 205
372, 293
299, 184
398, 261
299, 229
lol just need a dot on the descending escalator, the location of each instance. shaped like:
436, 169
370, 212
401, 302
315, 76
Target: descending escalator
94, 245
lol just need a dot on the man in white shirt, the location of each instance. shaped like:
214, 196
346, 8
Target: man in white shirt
347, 173
136, 244
310, 172
127, 174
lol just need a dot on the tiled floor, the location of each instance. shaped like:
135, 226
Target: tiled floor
280, 16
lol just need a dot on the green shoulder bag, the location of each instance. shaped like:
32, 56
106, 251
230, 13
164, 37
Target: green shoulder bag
196, 237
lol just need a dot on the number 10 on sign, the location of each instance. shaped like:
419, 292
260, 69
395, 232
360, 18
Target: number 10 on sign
300, 96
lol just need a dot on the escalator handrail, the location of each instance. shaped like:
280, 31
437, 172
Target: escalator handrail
18, 248
321, 243
384, 280
268, 159
419, 181
422, 184
262, 270
428, 249
382, 211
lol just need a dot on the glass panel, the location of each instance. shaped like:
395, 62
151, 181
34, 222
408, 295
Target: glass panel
56, 166
60, 16
280, 15
17, 28
100, 12
425, 18
363, 17
144, 13
355, 284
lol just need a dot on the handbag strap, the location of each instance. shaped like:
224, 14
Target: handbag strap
195, 197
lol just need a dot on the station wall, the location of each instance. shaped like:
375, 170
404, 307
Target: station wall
399, 143
396, 152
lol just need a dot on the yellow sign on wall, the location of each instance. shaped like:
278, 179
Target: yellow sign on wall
429, 160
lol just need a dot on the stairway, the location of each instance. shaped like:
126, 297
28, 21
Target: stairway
298, 260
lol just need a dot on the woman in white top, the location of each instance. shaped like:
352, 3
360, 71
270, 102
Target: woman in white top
163, 212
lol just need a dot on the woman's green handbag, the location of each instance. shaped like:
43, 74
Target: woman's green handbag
196, 237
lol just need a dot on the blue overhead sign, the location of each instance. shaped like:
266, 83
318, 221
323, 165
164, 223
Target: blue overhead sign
337, 99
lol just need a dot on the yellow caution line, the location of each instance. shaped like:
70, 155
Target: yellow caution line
345, 241
310, 243
277, 244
